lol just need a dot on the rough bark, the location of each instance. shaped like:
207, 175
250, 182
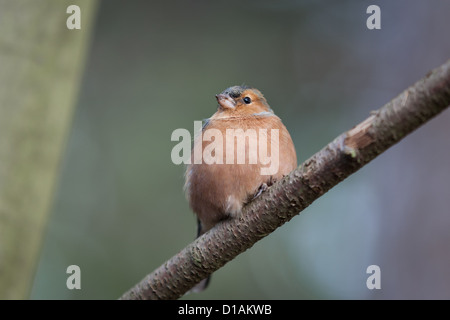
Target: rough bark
339, 159
41, 63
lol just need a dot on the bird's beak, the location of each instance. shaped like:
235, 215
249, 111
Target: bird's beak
225, 101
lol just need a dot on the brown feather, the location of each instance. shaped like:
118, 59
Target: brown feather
218, 191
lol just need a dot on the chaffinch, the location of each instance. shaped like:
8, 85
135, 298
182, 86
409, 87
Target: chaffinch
244, 147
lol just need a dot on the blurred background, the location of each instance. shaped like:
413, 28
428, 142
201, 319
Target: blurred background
118, 208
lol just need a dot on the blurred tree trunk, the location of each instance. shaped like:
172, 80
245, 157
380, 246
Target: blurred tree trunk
41, 63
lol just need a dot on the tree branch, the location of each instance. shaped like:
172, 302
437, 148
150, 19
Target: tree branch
280, 203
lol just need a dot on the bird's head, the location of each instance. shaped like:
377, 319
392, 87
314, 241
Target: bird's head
242, 100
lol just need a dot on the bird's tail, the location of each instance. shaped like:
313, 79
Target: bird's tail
202, 285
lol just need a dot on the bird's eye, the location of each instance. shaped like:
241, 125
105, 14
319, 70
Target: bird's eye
247, 100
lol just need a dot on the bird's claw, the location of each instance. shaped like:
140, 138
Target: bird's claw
261, 189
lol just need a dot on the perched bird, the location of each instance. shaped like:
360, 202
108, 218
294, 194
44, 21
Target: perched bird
217, 191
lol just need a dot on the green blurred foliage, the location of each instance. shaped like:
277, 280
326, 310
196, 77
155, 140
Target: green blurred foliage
41, 63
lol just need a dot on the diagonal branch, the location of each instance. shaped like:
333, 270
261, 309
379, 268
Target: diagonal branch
285, 199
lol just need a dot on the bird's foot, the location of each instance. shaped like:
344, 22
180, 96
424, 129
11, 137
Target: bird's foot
260, 190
